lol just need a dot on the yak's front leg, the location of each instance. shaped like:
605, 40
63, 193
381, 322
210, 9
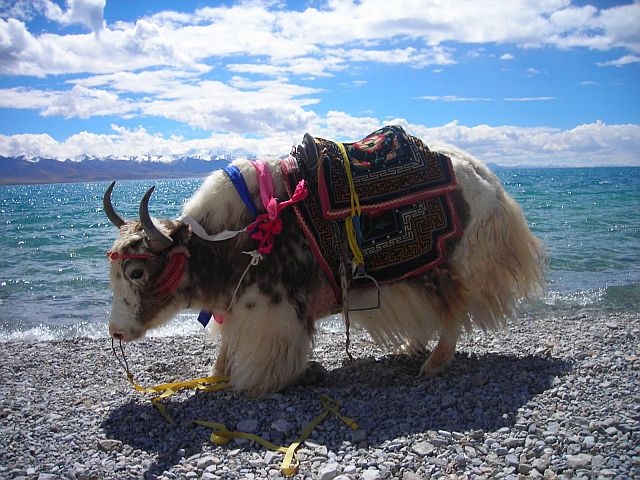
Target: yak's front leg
220, 365
267, 345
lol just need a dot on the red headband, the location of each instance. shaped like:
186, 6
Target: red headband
113, 256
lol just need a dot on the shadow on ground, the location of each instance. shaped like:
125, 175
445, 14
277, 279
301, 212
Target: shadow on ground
383, 395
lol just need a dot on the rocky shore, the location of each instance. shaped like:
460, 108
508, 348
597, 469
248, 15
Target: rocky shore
553, 397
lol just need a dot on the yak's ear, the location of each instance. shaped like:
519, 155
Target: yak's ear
180, 233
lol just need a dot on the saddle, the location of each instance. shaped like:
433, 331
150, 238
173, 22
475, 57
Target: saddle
405, 197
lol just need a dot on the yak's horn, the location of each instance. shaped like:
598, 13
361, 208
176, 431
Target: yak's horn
116, 219
158, 241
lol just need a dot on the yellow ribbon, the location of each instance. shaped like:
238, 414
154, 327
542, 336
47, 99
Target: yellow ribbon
207, 384
356, 210
221, 436
290, 464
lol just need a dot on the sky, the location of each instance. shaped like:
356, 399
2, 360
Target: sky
518, 82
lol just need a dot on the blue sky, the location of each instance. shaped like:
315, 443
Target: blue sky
524, 82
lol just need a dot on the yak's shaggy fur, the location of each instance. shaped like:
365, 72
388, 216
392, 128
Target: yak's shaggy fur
267, 335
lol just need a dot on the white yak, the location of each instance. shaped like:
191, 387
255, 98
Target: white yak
269, 310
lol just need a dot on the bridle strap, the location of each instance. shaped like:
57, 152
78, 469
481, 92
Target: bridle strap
114, 256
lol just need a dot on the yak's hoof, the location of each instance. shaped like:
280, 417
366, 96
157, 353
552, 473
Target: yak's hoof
431, 371
314, 374
439, 359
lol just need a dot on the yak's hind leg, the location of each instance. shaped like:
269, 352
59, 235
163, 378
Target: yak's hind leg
267, 345
412, 312
442, 354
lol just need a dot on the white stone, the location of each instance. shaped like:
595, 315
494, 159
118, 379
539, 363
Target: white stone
328, 472
582, 460
589, 442
423, 448
204, 462
371, 475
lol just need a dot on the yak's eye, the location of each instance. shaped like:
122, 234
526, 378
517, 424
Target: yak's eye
135, 270
136, 274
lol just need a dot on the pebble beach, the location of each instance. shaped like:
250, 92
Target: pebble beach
556, 396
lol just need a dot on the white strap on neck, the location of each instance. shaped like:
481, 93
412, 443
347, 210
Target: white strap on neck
218, 237
202, 233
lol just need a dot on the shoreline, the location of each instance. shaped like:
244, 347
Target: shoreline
557, 397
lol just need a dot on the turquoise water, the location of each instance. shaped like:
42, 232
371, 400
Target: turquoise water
53, 269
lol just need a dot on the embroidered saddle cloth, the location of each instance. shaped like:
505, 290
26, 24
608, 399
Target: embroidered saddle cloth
405, 193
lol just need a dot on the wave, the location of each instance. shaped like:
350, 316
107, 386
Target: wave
612, 298
184, 324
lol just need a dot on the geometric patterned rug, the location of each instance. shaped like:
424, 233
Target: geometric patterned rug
405, 192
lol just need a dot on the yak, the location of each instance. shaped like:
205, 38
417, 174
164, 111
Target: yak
268, 303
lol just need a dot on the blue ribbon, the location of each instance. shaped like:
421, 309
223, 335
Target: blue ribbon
205, 317
238, 181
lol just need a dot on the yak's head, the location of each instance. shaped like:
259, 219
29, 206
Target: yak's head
148, 262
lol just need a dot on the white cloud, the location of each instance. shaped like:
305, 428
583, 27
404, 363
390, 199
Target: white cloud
84, 12
453, 98
620, 62
240, 106
300, 42
148, 81
585, 145
32, 145
594, 144
80, 102
529, 99
155, 66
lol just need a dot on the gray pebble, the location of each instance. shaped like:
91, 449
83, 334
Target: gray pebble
512, 460
107, 445
249, 426
571, 414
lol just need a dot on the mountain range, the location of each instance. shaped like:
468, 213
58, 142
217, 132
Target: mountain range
22, 170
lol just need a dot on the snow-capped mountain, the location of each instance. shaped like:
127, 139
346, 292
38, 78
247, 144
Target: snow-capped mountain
85, 168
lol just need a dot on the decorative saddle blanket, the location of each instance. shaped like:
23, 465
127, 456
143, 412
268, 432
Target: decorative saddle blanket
404, 191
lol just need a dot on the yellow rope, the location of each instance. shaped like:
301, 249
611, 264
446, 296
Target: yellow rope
207, 384
355, 209
221, 436
290, 464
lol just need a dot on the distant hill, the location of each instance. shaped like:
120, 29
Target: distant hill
21, 170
